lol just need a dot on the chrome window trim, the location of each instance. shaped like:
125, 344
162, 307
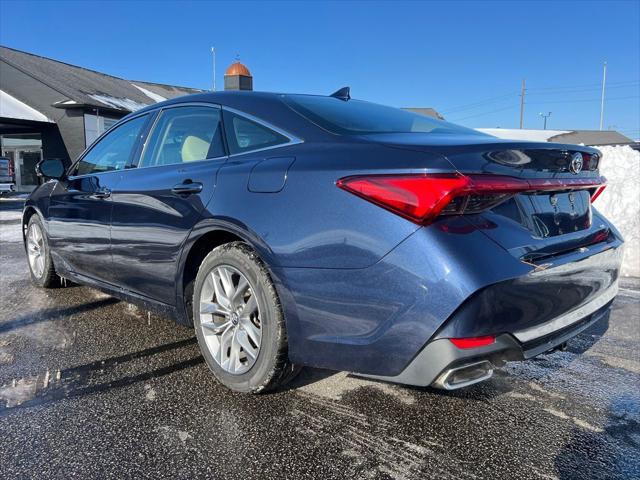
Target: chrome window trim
293, 140
155, 123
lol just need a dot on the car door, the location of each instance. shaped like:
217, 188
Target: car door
158, 202
79, 214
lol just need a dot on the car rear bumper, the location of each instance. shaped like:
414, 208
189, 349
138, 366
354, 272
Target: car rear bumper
443, 365
7, 187
440, 284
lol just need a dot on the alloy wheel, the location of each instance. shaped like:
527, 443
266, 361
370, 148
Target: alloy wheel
36, 250
230, 319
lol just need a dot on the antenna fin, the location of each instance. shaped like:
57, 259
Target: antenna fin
343, 94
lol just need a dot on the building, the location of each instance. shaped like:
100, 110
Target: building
50, 109
429, 112
238, 77
584, 137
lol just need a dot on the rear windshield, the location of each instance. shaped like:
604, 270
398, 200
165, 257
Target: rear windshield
357, 117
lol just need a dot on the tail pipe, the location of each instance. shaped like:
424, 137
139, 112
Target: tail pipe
464, 375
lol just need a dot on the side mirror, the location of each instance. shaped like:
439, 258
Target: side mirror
50, 168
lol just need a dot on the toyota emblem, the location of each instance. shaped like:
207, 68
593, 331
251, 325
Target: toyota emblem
575, 166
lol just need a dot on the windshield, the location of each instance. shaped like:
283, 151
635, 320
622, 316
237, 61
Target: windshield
357, 117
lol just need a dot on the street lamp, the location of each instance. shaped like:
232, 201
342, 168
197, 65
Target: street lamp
545, 118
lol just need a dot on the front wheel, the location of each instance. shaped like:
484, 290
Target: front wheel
43, 273
239, 321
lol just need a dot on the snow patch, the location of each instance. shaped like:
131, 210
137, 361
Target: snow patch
619, 201
11, 233
153, 96
119, 103
522, 134
11, 107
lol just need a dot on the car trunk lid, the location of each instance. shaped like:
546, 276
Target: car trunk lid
552, 217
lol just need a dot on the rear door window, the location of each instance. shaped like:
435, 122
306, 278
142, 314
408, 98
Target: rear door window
183, 135
244, 135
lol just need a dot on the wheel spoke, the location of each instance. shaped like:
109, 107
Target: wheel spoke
253, 332
234, 358
250, 307
244, 342
216, 328
221, 296
227, 282
243, 284
212, 308
225, 343
39, 265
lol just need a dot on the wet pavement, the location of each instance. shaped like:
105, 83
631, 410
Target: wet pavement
91, 387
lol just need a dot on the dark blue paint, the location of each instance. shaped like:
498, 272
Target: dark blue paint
362, 289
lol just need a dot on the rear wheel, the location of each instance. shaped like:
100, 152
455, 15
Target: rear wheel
43, 273
239, 321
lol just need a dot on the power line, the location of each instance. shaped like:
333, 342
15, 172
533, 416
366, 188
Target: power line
484, 113
582, 100
626, 82
480, 103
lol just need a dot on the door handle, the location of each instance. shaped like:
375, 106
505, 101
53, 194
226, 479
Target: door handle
102, 193
187, 188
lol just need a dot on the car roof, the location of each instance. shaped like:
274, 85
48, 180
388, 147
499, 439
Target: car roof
267, 106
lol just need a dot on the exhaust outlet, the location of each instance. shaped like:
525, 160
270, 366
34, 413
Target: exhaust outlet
464, 375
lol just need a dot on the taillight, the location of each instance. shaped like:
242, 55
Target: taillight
473, 342
423, 197
11, 168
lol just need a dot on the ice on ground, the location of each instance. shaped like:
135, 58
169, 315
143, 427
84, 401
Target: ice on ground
10, 233
620, 201
153, 96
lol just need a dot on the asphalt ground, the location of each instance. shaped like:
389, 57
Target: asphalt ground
91, 387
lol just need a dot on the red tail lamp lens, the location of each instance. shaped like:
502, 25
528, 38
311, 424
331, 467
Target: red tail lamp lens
422, 198
473, 342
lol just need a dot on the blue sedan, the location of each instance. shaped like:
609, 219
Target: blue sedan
294, 230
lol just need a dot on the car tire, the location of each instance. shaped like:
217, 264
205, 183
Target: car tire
41, 268
257, 333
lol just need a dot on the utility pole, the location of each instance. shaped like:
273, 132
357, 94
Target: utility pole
522, 93
604, 82
545, 118
213, 58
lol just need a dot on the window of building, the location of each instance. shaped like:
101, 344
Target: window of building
244, 135
113, 152
96, 125
184, 134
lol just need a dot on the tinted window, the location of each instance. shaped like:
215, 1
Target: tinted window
184, 134
114, 150
356, 117
244, 135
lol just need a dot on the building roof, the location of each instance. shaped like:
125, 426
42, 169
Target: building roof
238, 68
593, 137
429, 112
80, 86
585, 137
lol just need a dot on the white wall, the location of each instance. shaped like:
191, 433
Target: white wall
620, 201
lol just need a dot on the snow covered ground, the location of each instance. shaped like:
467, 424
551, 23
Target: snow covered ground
620, 202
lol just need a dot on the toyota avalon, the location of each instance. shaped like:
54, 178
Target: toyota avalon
294, 230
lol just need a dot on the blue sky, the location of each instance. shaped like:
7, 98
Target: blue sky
466, 59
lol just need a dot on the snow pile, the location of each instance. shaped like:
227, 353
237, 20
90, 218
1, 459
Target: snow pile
522, 134
119, 103
620, 201
153, 96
